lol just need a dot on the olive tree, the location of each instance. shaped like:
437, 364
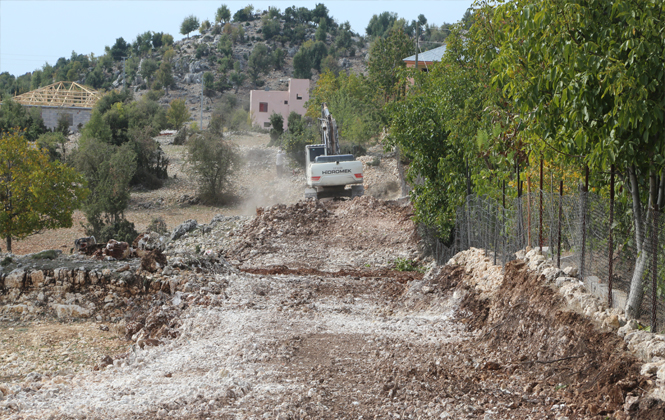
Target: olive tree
189, 24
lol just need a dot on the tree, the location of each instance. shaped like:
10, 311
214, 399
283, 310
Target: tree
167, 39
353, 101
385, 58
108, 170
322, 31
277, 126
380, 24
225, 46
148, 68
165, 75
157, 39
205, 25
35, 193
212, 160
189, 24
53, 143
270, 28
177, 113
208, 84
14, 116
237, 78
258, 63
302, 65
594, 91
223, 14
278, 57
244, 15
120, 49
343, 40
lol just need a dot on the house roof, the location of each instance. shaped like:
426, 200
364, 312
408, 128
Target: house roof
429, 56
67, 94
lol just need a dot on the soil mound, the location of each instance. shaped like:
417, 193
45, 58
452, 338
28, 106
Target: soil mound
523, 332
363, 232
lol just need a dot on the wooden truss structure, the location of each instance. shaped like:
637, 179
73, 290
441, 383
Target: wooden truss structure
60, 94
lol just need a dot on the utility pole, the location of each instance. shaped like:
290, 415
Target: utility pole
201, 109
417, 36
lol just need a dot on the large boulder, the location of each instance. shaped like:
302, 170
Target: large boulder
15, 279
70, 311
184, 228
147, 242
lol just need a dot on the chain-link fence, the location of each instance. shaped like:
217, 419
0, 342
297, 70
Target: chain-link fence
580, 231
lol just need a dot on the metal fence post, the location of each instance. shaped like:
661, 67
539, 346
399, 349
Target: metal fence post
654, 270
585, 198
540, 229
611, 244
558, 248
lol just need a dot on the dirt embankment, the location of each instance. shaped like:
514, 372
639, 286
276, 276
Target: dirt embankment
539, 354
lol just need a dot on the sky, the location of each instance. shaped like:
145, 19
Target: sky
35, 32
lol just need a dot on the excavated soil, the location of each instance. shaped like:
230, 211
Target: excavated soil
316, 323
364, 232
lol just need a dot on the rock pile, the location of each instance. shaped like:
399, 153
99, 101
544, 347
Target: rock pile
79, 286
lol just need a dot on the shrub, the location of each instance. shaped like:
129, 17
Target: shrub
157, 225
177, 113
277, 127
212, 159
122, 230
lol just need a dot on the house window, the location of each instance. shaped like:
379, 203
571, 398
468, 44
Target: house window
263, 106
266, 125
298, 97
286, 102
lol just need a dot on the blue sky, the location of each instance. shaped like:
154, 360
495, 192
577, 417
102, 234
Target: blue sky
35, 32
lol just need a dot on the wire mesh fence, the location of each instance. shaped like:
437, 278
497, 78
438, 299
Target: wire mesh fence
580, 231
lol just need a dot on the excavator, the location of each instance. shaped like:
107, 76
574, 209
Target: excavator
328, 171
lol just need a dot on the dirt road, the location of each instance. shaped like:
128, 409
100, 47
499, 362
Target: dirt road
311, 320
329, 334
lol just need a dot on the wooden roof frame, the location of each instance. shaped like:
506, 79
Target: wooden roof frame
60, 94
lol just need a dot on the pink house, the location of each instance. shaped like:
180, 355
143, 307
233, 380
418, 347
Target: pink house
262, 103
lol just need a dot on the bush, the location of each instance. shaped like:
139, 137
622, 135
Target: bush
151, 161
158, 225
54, 144
277, 127
108, 169
212, 160
202, 50
403, 264
122, 230
177, 113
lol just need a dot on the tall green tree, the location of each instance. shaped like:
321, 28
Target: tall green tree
237, 77
35, 192
108, 170
386, 57
258, 63
189, 24
380, 24
223, 14
594, 88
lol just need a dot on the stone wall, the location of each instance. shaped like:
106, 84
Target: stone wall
72, 293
